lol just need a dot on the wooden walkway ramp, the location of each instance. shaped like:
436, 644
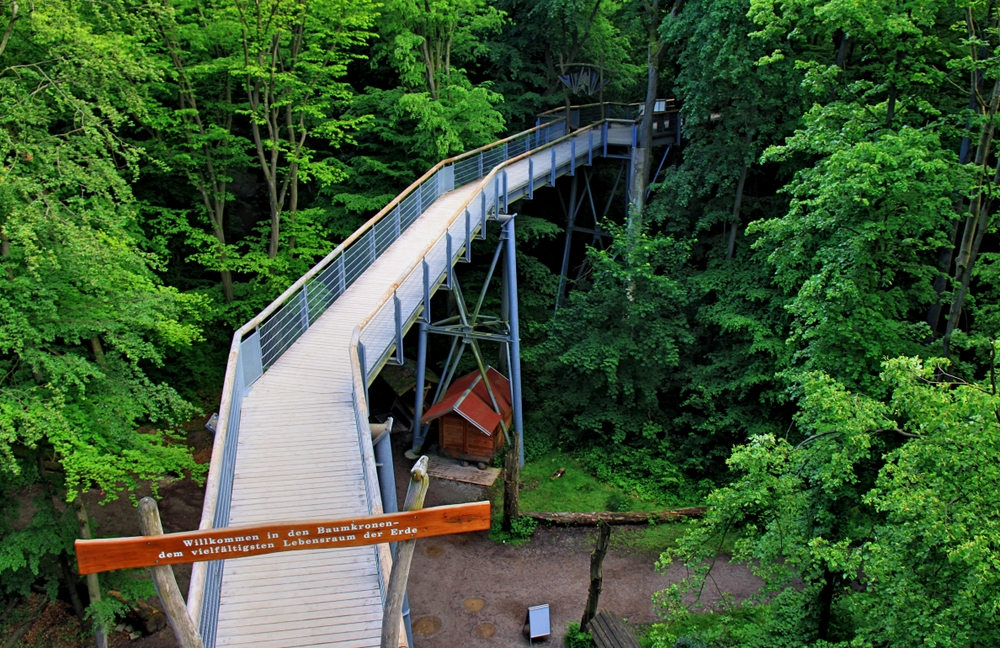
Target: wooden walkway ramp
293, 440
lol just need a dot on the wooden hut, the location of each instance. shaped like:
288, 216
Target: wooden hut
469, 425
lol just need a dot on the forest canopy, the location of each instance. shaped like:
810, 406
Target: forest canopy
794, 319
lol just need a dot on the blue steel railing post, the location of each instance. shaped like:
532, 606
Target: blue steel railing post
604, 138
505, 190
635, 134
480, 165
305, 307
364, 370
371, 248
399, 224
505, 156
515, 339
468, 237
531, 178
426, 315
552, 171
590, 147
398, 306
342, 272
496, 196
418, 405
449, 269
572, 156
482, 228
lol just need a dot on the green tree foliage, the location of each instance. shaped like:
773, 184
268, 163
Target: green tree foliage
618, 349
882, 509
82, 313
425, 107
261, 92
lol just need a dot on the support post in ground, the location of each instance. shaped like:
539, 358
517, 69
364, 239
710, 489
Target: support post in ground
392, 614
166, 585
418, 405
387, 486
596, 574
515, 335
511, 484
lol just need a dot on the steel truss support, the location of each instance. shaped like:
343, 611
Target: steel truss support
467, 329
575, 203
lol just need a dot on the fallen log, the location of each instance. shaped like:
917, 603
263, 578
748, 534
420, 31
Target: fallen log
591, 519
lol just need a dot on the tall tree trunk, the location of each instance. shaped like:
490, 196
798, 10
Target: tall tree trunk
5, 252
93, 584
964, 273
74, 597
977, 218
68, 577
737, 204
642, 154
596, 574
945, 255
825, 602
511, 483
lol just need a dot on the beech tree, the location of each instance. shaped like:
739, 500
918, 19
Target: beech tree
82, 313
883, 510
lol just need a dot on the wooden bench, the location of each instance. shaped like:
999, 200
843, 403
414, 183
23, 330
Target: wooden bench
609, 631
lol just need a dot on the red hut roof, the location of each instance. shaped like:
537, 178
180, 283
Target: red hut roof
468, 398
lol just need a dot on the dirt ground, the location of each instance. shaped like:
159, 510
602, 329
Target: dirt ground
465, 590
553, 568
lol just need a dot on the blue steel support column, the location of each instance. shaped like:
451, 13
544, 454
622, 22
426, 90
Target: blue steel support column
387, 485
515, 339
386, 475
418, 405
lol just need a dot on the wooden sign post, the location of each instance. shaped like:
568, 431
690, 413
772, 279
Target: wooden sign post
392, 614
184, 628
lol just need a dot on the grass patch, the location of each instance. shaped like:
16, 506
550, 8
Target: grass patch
647, 539
577, 491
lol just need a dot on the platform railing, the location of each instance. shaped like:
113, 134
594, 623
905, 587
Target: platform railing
261, 341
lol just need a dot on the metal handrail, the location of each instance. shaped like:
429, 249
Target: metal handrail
553, 111
236, 368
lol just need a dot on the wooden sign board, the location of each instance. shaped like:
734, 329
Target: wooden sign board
239, 542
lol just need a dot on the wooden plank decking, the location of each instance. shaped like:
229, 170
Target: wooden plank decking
609, 631
298, 457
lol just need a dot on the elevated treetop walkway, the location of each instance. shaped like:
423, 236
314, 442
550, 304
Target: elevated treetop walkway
293, 438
